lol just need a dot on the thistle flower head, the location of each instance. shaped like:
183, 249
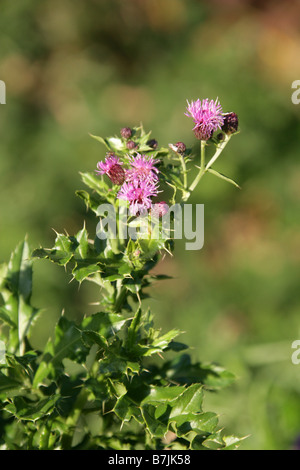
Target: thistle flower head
142, 169
138, 194
112, 168
207, 116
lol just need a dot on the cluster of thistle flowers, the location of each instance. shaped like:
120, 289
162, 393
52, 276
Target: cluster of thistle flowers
139, 183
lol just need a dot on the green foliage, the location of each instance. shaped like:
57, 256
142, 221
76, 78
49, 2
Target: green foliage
103, 382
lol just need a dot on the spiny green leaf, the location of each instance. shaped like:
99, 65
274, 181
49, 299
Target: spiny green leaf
82, 238
64, 343
160, 394
232, 442
156, 420
200, 423
8, 383
190, 401
96, 183
182, 370
90, 337
126, 409
114, 144
162, 342
118, 389
104, 323
17, 311
133, 328
101, 140
91, 201
25, 410
84, 270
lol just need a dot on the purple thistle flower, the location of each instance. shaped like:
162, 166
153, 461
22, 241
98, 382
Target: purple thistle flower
207, 116
112, 168
143, 168
138, 194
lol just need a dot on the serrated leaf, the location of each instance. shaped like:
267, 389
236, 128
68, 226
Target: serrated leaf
133, 328
126, 409
162, 342
91, 201
160, 394
83, 270
61, 253
17, 311
101, 140
114, 144
150, 247
182, 370
104, 323
232, 442
132, 287
64, 343
90, 338
190, 401
214, 441
118, 389
25, 410
83, 243
156, 419
8, 383
94, 182
201, 423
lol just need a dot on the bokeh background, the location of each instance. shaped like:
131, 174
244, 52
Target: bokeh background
94, 66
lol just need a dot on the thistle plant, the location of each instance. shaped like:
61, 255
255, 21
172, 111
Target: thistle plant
113, 380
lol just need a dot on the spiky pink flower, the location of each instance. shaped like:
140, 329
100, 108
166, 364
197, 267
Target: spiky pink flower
142, 169
138, 194
207, 116
113, 169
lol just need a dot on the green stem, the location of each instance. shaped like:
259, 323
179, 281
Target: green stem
219, 150
185, 192
202, 167
181, 157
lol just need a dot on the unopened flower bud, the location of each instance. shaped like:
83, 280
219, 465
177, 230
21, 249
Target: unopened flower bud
180, 147
131, 145
231, 123
152, 143
126, 133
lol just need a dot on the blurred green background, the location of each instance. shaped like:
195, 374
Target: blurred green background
74, 68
